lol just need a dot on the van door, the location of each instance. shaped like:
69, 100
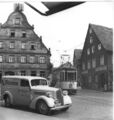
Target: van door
24, 92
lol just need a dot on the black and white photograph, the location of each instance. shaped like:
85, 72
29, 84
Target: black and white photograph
56, 60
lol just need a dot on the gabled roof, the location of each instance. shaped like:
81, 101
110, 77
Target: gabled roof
67, 65
17, 14
105, 35
77, 53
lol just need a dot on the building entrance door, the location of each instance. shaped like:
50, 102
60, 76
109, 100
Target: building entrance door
101, 81
84, 81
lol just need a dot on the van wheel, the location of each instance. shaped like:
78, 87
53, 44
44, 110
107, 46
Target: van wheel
7, 101
65, 109
42, 107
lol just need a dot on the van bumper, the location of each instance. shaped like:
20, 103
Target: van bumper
60, 107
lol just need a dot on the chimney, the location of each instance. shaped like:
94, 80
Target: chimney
18, 7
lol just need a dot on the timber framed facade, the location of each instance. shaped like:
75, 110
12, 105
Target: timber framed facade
97, 58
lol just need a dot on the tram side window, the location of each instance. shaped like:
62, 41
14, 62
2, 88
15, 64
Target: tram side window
61, 76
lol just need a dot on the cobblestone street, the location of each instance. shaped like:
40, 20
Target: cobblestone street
87, 105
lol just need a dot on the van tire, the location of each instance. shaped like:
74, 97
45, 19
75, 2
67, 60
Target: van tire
65, 109
42, 107
7, 101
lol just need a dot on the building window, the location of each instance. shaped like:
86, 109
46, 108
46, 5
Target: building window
1, 58
89, 79
23, 59
38, 45
93, 49
93, 62
42, 59
1, 44
17, 21
88, 51
11, 59
24, 35
31, 59
32, 47
90, 31
33, 73
91, 39
89, 65
102, 60
42, 73
99, 46
23, 73
12, 34
83, 66
12, 45
23, 45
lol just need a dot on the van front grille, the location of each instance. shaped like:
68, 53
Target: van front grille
59, 96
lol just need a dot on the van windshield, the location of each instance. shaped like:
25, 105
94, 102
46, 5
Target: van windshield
35, 82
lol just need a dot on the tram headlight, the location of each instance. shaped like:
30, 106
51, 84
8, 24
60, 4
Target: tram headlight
65, 92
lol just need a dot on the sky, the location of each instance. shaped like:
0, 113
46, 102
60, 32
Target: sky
64, 31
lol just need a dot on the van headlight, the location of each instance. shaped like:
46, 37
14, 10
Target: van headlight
65, 92
49, 94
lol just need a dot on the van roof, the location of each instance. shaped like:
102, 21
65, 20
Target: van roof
23, 77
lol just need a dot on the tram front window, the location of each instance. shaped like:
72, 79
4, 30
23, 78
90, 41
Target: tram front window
71, 76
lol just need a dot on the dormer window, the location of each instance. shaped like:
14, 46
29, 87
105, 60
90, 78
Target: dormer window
17, 21
12, 34
24, 35
99, 46
32, 47
91, 39
93, 49
88, 51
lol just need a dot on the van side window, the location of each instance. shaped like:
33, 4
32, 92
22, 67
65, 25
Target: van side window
24, 83
10, 82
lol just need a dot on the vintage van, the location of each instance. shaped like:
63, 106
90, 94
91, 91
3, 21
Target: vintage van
33, 92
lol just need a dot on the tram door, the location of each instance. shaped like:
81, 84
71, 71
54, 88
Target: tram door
61, 79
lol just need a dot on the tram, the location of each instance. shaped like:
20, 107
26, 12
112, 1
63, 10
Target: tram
64, 77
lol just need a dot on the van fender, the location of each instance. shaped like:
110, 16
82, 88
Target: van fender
67, 99
9, 94
49, 101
